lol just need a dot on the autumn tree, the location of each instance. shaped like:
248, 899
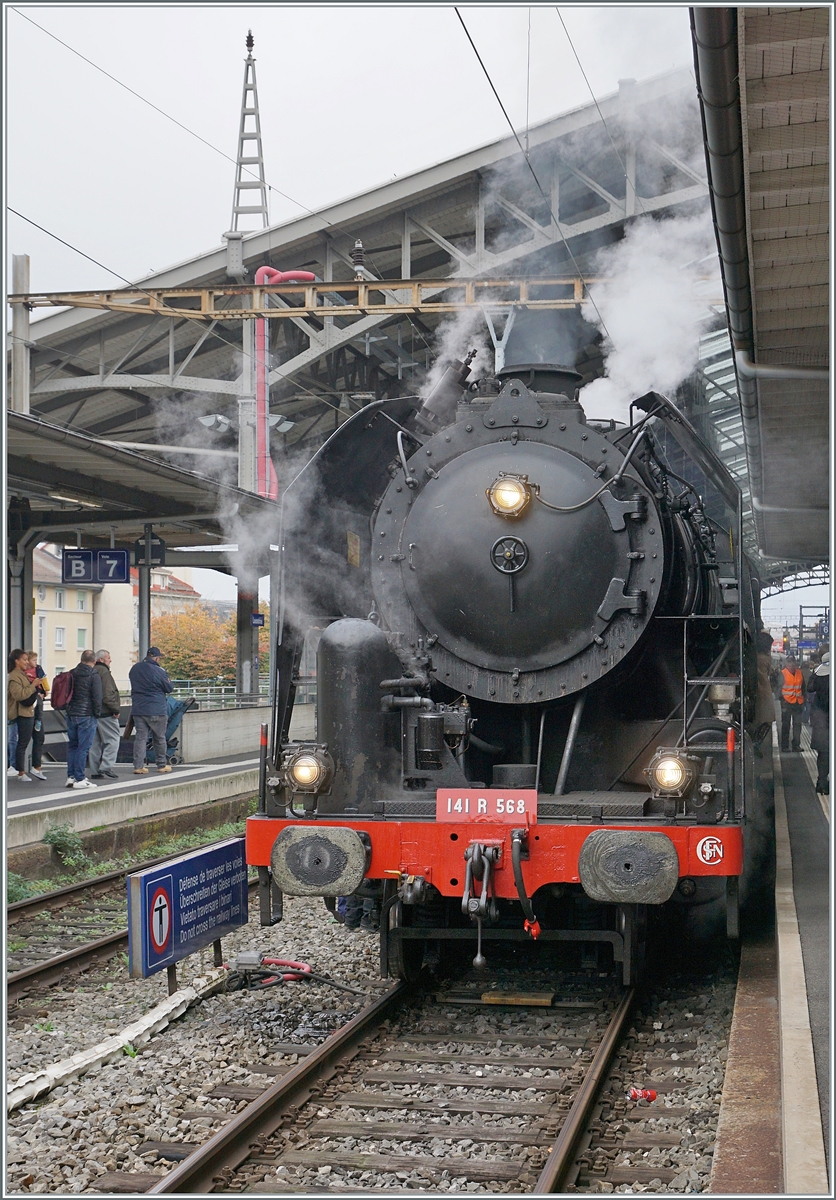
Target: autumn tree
198, 644
195, 643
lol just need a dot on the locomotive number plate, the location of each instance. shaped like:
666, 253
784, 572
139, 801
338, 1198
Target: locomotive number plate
517, 806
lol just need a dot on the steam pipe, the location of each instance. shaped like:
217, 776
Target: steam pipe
571, 738
266, 482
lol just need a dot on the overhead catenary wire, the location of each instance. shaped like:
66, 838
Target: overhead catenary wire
311, 212
534, 175
145, 292
632, 182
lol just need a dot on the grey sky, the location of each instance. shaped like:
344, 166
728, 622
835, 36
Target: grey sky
350, 96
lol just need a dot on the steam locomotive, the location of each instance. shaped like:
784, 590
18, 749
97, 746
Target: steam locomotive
536, 674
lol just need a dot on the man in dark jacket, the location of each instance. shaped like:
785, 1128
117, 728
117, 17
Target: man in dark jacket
106, 742
82, 717
149, 687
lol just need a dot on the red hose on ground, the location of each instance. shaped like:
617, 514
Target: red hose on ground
304, 968
266, 482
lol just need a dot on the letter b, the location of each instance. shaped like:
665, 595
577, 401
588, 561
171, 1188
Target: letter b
77, 568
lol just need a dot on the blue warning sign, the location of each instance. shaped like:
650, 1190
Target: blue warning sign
182, 905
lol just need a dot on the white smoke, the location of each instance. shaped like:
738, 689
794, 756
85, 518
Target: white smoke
652, 309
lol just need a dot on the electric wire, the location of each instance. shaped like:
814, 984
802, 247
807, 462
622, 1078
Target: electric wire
145, 292
330, 224
598, 106
534, 176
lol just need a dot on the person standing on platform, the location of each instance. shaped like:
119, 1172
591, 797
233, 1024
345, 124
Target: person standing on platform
150, 685
21, 698
37, 677
818, 691
765, 705
792, 703
106, 742
82, 715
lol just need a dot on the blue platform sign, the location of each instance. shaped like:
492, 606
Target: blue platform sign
807, 644
77, 566
95, 566
112, 566
182, 905
257, 620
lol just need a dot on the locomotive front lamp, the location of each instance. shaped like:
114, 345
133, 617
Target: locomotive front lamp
309, 769
510, 495
670, 774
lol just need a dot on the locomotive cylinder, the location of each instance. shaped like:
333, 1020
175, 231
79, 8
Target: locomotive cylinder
352, 658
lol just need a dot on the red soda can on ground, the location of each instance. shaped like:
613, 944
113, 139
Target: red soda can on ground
642, 1094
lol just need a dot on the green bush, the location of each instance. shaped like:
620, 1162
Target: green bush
67, 844
16, 888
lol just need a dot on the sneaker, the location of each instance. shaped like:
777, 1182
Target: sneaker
141, 771
24, 778
368, 924
85, 783
163, 770
38, 773
110, 774
70, 782
11, 771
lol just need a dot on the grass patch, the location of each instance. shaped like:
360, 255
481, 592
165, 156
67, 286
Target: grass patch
17, 888
165, 846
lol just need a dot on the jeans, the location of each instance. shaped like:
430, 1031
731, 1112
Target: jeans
24, 735
790, 713
80, 734
155, 726
12, 742
105, 745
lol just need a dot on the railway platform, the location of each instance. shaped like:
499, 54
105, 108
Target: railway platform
32, 807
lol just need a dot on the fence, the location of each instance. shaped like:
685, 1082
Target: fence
213, 693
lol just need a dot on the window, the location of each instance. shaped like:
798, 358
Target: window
41, 593
81, 601
41, 639
59, 597
81, 639
60, 632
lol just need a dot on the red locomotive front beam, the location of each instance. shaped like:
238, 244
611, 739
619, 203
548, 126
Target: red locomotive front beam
436, 850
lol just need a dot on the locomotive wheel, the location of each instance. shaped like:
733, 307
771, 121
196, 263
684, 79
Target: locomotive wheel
632, 923
406, 956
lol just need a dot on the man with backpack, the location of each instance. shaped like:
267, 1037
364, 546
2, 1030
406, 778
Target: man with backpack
818, 690
79, 694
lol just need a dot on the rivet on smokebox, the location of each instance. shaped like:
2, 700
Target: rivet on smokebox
641, 1094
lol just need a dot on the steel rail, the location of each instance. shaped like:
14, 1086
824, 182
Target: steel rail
561, 1157
230, 1146
54, 968
34, 904
77, 959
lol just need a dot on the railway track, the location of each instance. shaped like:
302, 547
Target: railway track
49, 936
404, 1089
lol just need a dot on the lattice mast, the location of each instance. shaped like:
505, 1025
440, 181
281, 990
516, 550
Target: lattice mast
249, 173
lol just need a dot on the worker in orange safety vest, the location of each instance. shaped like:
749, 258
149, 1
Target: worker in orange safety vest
792, 705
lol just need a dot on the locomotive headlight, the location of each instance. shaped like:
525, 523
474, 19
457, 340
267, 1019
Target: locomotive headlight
308, 769
670, 773
509, 495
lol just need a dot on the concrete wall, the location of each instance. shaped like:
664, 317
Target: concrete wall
209, 734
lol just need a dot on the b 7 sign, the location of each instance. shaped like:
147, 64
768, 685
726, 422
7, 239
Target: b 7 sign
514, 806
